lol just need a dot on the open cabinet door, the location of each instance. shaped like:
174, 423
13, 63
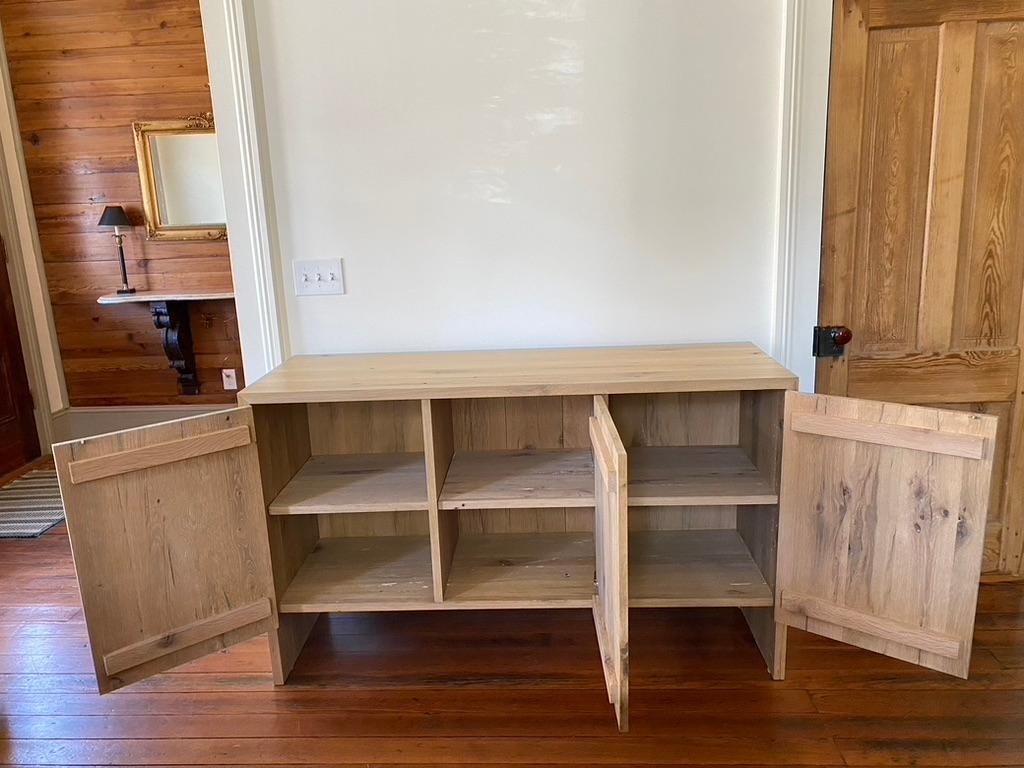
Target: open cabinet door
170, 542
611, 606
882, 521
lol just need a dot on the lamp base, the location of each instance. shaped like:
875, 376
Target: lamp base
125, 291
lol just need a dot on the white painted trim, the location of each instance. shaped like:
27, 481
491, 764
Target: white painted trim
77, 423
233, 59
801, 167
25, 266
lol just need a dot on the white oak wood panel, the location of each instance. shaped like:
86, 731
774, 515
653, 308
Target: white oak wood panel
384, 573
86, 470
884, 531
695, 475
182, 637
361, 482
611, 603
894, 435
830, 613
685, 368
519, 479
688, 569
524, 570
164, 547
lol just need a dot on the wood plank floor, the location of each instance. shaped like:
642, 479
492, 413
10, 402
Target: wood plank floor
520, 688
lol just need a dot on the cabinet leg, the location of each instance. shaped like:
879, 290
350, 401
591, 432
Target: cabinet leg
770, 637
778, 664
287, 641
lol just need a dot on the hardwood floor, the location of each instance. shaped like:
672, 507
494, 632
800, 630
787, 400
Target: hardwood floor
497, 688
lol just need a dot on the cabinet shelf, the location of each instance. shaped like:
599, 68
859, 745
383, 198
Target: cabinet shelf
519, 479
689, 569
697, 475
522, 570
347, 483
385, 573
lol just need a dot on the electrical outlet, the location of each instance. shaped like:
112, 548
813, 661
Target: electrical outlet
230, 379
318, 277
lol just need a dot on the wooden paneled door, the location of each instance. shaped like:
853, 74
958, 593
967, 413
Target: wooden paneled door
19, 441
923, 251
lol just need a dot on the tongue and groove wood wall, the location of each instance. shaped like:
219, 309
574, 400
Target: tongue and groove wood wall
82, 72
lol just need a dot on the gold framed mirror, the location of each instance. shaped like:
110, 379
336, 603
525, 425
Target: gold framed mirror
179, 169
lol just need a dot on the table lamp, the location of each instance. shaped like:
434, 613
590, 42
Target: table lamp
114, 216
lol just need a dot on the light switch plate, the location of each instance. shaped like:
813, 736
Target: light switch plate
318, 277
230, 379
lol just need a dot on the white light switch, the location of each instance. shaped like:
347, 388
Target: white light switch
318, 277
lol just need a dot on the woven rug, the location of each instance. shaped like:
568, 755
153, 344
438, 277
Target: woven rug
30, 505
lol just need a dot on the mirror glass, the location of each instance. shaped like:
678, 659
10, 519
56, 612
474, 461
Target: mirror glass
187, 180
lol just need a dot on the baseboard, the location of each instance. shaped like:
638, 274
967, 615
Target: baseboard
75, 423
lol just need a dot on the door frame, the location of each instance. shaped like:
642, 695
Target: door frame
807, 52
34, 316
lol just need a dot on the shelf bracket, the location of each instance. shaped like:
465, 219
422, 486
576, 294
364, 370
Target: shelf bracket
172, 318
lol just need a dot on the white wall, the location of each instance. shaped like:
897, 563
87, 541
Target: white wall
509, 173
528, 172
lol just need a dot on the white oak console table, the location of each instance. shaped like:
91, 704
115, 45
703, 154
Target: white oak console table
577, 478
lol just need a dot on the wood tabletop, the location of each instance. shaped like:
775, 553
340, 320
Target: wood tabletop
511, 373
147, 297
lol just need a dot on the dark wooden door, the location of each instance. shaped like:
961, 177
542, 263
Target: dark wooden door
19, 442
923, 252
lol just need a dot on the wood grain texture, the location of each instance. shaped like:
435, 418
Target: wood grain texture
518, 479
611, 538
883, 531
893, 189
363, 574
520, 373
924, 213
182, 637
689, 569
355, 482
439, 448
915, 13
519, 687
283, 446
695, 476
927, 439
81, 73
846, 120
950, 123
540, 570
161, 548
159, 454
979, 376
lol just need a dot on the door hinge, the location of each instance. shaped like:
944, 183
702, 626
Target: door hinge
829, 340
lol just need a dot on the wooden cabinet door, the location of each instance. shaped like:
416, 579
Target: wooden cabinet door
168, 532
611, 605
881, 524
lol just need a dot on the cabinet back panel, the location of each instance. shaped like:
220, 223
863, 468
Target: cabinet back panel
495, 423
473, 521
366, 427
697, 418
374, 524
681, 518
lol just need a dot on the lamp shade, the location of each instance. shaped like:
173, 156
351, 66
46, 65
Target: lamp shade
114, 216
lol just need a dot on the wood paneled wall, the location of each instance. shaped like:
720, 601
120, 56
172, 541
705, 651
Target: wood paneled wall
82, 72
